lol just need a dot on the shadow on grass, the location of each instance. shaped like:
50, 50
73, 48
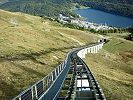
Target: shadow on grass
57, 64
8, 90
32, 55
29, 70
119, 43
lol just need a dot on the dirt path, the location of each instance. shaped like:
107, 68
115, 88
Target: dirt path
75, 40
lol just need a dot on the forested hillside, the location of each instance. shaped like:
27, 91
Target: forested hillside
52, 8
111, 1
120, 7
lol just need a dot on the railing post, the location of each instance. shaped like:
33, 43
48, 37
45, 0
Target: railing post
50, 78
96, 49
55, 74
58, 70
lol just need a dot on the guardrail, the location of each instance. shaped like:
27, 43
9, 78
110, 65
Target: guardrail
42, 86
90, 49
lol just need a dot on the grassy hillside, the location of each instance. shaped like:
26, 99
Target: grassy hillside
113, 68
30, 48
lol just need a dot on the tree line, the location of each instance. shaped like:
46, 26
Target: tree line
119, 7
53, 8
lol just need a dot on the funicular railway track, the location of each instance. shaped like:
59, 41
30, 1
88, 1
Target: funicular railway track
80, 83
71, 80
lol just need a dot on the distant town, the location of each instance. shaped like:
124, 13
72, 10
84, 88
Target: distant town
83, 23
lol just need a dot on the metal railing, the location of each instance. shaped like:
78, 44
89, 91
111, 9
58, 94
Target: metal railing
42, 86
36, 91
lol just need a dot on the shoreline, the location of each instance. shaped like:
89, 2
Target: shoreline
81, 7
84, 23
86, 19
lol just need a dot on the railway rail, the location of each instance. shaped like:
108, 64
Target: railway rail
71, 80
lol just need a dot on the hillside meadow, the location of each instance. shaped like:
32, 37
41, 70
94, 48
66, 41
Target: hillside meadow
113, 67
30, 48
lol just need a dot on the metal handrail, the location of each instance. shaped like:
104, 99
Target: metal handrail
49, 80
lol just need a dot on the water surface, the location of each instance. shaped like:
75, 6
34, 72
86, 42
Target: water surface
101, 17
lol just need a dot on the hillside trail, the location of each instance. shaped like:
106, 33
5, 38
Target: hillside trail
75, 40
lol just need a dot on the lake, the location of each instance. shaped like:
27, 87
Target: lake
101, 17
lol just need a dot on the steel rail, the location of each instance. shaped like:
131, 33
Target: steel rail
50, 86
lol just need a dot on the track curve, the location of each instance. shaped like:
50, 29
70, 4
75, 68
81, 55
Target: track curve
71, 80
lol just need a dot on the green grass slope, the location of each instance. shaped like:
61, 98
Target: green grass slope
30, 48
113, 68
